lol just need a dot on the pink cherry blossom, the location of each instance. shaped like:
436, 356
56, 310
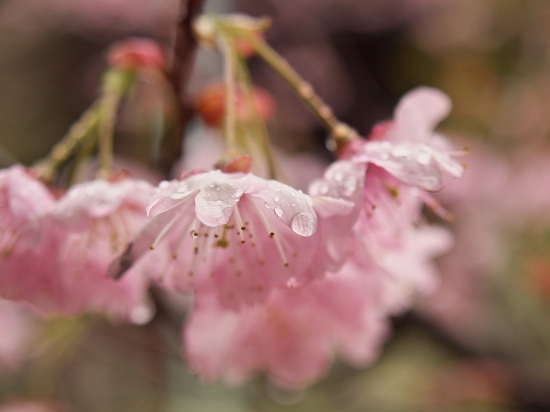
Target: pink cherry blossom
236, 233
65, 272
389, 241
292, 337
24, 205
24, 202
407, 147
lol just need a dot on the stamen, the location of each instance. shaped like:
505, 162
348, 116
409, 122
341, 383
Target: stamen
238, 217
271, 233
184, 236
199, 251
165, 230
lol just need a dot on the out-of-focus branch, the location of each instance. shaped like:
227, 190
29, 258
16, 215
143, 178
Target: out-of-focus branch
180, 70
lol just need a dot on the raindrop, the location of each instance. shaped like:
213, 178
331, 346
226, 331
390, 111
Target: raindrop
349, 186
276, 198
304, 224
238, 193
279, 211
194, 234
401, 151
140, 315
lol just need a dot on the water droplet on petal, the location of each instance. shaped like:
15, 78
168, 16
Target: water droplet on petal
304, 224
238, 193
279, 211
401, 151
140, 315
276, 198
349, 186
194, 234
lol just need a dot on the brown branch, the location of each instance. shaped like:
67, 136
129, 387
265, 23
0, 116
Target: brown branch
184, 49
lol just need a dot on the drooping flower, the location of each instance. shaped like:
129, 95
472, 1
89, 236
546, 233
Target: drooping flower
235, 233
292, 337
24, 204
24, 201
294, 334
91, 225
64, 271
390, 239
407, 147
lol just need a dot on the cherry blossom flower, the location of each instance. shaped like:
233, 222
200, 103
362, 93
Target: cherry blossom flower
407, 147
292, 337
91, 225
236, 233
64, 271
389, 241
24, 201
24, 205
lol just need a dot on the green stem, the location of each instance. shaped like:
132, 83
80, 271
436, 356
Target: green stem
78, 132
230, 63
259, 124
105, 135
341, 132
116, 84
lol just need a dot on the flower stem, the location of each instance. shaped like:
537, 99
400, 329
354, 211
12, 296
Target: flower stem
78, 132
98, 119
105, 135
258, 122
230, 80
340, 132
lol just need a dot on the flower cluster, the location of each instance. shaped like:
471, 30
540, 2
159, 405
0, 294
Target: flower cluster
282, 280
285, 280
54, 252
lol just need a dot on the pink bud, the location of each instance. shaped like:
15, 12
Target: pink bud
210, 104
135, 53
